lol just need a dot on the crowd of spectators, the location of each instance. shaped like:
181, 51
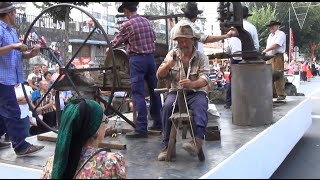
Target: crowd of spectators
307, 69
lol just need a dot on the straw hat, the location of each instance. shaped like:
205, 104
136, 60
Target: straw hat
184, 30
6, 7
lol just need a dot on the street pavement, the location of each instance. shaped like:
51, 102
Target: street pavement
303, 162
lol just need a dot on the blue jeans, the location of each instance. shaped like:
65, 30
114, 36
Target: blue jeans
228, 97
10, 121
197, 102
143, 68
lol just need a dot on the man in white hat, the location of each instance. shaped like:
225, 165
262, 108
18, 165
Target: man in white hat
276, 46
11, 73
191, 13
187, 68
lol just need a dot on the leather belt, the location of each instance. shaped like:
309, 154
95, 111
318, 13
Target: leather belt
139, 54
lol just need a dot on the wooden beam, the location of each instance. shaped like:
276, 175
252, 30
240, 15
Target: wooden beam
52, 137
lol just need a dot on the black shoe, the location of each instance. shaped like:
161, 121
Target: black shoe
4, 145
136, 135
152, 128
32, 149
281, 98
6, 138
226, 106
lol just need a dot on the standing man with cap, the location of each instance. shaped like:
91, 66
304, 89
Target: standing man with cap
191, 13
233, 46
11, 73
139, 38
250, 27
276, 46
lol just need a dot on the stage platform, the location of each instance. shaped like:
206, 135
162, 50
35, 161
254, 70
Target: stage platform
242, 152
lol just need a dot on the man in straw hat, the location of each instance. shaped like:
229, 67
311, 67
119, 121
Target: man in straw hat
11, 73
188, 68
276, 46
191, 13
139, 38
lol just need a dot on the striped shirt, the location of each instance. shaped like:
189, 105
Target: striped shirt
11, 67
137, 34
46, 101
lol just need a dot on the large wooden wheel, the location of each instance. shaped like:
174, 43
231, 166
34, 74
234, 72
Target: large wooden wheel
67, 72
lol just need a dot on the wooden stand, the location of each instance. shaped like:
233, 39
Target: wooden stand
181, 118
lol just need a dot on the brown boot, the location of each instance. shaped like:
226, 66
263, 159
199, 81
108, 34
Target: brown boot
191, 148
163, 154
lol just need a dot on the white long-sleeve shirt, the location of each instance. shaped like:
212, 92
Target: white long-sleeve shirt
279, 37
233, 46
253, 32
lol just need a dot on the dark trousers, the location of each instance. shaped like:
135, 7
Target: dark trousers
303, 75
10, 121
228, 96
49, 118
143, 68
197, 102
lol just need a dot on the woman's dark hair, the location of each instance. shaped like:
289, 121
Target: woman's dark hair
78, 140
222, 70
46, 73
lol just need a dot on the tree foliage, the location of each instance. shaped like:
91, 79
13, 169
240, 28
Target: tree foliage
158, 8
58, 13
61, 14
304, 37
260, 17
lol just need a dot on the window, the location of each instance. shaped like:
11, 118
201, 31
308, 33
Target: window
96, 15
111, 18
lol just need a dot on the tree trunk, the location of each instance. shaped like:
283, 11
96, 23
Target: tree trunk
66, 38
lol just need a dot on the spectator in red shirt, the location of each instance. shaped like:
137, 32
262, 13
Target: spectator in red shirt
42, 42
90, 24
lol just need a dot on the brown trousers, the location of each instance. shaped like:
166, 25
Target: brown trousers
277, 63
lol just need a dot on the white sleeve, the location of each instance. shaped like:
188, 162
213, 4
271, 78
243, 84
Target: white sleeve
29, 90
281, 39
256, 39
30, 76
235, 45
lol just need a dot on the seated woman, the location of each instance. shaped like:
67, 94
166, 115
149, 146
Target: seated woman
221, 81
46, 109
81, 130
